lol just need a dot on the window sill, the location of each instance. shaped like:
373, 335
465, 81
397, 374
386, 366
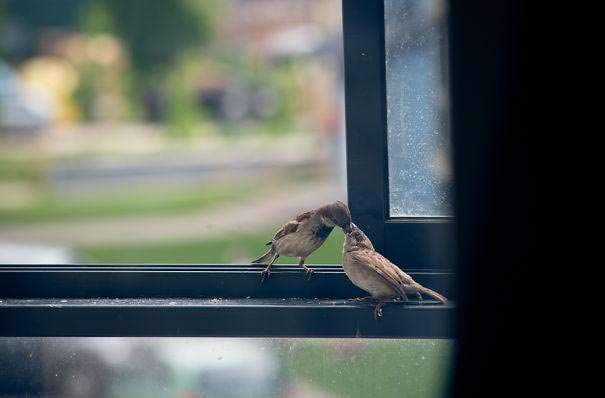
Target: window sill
189, 281
291, 317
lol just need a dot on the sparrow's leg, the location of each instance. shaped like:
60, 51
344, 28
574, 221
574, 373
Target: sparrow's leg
419, 296
308, 271
267, 271
378, 310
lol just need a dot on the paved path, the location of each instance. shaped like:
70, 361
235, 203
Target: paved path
265, 211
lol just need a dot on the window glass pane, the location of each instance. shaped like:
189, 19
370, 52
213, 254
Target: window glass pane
420, 175
166, 131
222, 367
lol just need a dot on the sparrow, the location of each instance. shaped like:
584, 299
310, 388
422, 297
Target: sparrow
372, 272
305, 234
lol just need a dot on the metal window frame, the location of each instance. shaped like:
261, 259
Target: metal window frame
206, 300
418, 242
228, 300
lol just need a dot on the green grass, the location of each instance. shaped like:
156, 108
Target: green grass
362, 368
33, 170
237, 248
343, 368
49, 207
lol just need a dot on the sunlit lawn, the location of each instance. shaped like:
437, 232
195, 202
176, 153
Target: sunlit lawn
357, 368
48, 206
312, 367
236, 248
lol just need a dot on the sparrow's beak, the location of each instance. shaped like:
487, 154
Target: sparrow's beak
348, 229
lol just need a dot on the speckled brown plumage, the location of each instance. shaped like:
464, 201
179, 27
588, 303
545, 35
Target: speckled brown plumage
372, 272
305, 234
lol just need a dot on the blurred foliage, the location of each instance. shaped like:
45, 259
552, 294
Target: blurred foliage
182, 110
168, 65
43, 14
154, 34
155, 31
21, 20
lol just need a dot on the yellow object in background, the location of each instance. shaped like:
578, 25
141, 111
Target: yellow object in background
59, 79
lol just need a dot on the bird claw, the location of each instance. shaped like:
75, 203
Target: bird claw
265, 275
309, 272
378, 312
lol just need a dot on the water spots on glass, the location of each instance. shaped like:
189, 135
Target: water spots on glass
220, 367
420, 177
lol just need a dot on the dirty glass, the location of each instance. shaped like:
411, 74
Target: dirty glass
222, 367
139, 131
420, 175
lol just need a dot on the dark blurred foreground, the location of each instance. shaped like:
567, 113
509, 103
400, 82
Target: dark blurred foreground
221, 367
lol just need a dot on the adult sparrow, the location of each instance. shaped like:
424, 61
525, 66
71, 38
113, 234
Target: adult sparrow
305, 234
372, 272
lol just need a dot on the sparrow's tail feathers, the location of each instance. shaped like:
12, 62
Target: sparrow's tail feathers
264, 257
433, 294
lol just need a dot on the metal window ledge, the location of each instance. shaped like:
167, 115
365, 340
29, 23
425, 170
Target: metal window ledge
289, 317
191, 281
183, 300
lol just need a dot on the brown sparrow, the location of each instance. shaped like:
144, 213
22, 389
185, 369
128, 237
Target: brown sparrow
305, 234
372, 272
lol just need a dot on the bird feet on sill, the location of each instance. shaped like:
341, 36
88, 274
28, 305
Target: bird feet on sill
308, 272
378, 311
265, 274
370, 299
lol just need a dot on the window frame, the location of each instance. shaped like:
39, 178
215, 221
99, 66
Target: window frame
418, 242
205, 300
229, 300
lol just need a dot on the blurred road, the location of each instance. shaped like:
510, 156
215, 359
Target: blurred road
262, 211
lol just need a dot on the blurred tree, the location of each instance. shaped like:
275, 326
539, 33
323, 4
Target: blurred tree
156, 32
41, 14
23, 19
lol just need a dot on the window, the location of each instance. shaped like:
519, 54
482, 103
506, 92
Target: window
397, 141
188, 139
227, 300
418, 145
217, 367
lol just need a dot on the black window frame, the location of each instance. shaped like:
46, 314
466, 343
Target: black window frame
229, 300
410, 242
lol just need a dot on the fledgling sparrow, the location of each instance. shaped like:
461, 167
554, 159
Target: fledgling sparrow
372, 272
305, 234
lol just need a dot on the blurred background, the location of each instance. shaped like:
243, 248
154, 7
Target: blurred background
188, 131
166, 131
222, 367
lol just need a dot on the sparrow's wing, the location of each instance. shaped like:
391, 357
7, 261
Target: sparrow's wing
303, 216
385, 269
290, 227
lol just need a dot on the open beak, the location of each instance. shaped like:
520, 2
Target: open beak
348, 229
